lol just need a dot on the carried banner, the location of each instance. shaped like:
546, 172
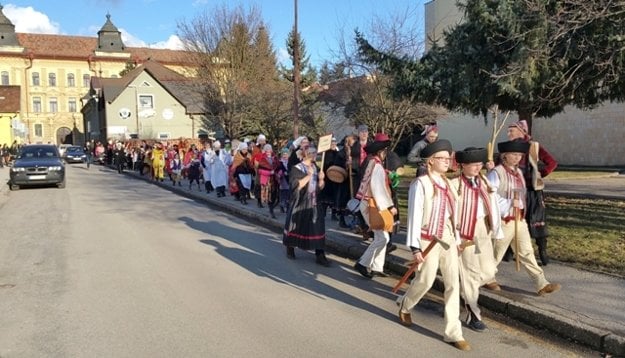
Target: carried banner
325, 142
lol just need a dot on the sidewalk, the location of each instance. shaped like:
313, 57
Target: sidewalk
590, 308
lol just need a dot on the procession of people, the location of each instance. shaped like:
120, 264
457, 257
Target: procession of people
459, 223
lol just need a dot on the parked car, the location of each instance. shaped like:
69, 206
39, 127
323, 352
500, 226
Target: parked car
74, 154
63, 148
37, 164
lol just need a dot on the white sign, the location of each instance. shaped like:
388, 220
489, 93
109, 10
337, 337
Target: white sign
325, 143
124, 113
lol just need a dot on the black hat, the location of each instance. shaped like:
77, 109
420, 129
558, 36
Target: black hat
380, 142
471, 155
435, 147
513, 146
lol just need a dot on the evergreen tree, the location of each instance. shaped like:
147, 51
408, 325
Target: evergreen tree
308, 74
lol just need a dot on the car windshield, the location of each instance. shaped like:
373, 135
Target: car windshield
38, 152
73, 150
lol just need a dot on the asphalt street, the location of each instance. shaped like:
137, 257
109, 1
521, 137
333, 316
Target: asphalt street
590, 309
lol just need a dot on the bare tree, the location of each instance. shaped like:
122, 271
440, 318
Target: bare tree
368, 98
237, 66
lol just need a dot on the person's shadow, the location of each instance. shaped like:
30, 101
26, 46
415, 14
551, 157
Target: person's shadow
269, 261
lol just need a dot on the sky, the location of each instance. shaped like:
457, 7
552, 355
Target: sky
153, 23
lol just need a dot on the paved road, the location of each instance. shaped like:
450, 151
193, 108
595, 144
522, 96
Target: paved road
608, 187
115, 267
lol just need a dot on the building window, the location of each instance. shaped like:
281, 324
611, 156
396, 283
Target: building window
146, 101
163, 135
85, 80
38, 130
36, 79
52, 79
54, 105
71, 80
37, 104
5, 78
71, 104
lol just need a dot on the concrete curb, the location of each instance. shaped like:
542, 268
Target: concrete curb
338, 243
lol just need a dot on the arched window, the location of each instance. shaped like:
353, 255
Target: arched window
85, 80
5, 78
36, 79
52, 79
71, 80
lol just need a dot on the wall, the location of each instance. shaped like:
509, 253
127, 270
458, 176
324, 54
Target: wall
575, 137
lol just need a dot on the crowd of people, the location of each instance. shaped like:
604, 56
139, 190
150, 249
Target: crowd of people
8, 153
460, 225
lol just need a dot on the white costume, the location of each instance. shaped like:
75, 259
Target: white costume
374, 257
431, 207
505, 181
478, 222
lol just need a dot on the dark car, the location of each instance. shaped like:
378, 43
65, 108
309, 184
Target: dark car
37, 164
74, 154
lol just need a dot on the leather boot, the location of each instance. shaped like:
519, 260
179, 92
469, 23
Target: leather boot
542, 250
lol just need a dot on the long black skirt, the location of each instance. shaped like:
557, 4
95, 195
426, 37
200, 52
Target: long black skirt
535, 214
302, 231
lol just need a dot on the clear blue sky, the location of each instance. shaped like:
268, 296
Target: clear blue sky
153, 22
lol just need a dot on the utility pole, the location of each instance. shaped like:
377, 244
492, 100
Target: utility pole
296, 76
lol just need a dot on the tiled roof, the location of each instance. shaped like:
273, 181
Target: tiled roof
81, 47
9, 99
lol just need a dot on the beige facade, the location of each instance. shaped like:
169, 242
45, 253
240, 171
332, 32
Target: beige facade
54, 73
573, 137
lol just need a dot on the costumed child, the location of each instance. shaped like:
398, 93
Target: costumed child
507, 179
431, 217
478, 223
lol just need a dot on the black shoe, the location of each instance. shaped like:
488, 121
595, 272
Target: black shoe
362, 270
378, 274
342, 223
390, 248
476, 325
260, 205
273, 216
322, 260
290, 252
282, 209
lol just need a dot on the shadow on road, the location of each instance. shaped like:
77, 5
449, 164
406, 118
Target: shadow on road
302, 273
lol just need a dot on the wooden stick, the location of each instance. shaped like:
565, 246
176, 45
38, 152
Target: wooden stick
413, 267
516, 232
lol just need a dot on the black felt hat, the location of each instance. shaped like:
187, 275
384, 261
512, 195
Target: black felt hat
471, 155
381, 141
435, 147
513, 146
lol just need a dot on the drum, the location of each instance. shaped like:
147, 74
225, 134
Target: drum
336, 174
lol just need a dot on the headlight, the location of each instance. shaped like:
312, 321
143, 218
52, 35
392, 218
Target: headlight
17, 169
56, 168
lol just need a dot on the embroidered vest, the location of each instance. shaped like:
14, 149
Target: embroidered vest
505, 187
428, 207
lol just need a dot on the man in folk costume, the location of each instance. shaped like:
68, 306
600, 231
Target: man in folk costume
478, 221
305, 226
537, 164
507, 179
375, 184
219, 164
431, 214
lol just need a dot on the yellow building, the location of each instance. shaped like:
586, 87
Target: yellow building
54, 73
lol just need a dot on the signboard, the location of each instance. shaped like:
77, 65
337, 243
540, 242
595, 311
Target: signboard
325, 143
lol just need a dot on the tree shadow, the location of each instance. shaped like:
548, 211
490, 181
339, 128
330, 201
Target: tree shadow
301, 274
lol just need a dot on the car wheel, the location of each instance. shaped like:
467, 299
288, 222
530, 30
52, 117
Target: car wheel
14, 187
61, 185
